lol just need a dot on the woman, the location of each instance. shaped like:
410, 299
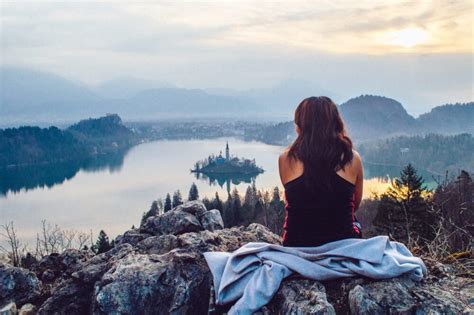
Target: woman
322, 175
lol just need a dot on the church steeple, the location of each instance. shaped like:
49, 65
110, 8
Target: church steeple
227, 153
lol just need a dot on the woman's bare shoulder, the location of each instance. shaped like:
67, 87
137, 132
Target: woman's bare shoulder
284, 155
356, 162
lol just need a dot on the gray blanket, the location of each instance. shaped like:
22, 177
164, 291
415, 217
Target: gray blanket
252, 274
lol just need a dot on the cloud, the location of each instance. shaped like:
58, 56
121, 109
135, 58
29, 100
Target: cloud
342, 46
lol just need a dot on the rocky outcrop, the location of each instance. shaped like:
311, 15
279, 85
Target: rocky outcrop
18, 285
159, 268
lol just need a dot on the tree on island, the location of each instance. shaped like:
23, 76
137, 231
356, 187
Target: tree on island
168, 206
193, 192
404, 209
102, 244
177, 199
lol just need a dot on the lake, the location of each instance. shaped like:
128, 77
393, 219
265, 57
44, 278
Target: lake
113, 193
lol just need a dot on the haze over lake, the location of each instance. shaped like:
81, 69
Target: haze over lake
114, 198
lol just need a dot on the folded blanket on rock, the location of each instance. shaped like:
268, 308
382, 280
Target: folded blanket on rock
252, 274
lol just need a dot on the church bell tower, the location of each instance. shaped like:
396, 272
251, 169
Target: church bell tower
227, 153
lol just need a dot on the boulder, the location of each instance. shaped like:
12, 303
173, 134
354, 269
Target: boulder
27, 309
177, 282
69, 297
300, 296
172, 222
8, 309
158, 244
18, 285
132, 237
195, 207
191, 216
212, 220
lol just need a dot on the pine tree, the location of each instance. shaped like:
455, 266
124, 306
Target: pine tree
154, 211
236, 207
277, 212
193, 192
228, 216
403, 211
102, 244
207, 203
217, 203
168, 206
177, 199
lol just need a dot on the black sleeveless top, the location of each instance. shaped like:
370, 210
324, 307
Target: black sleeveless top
315, 218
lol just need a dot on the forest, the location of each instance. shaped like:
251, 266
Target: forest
28, 145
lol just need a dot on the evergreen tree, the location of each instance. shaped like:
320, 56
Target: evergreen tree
228, 213
193, 192
168, 206
154, 211
236, 207
177, 199
102, 244
160, 206
217, 203
403, 211
207, 203
277, 212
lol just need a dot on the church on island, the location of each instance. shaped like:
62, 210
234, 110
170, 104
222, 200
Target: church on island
226, 165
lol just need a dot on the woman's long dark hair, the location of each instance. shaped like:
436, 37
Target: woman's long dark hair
322, 144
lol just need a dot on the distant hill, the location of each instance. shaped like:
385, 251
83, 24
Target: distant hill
27, 94
123, 88
30, 96
369, 116
33, 145
188, 102
449, 118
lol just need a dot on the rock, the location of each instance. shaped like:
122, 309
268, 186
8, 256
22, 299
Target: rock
95, 267
48, 276
172, 222
176, 282
195, 207
132, 237
300, 296
70, 297
158, 244
360, 302
159, 269
54, 265
28, 309
392, 295
18, 285
28, 261
8, 309
212, 220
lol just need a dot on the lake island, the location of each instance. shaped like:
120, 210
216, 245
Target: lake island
226, 165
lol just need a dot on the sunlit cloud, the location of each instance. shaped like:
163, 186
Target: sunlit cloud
408, 37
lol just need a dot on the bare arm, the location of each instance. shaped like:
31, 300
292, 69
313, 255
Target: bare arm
359, 184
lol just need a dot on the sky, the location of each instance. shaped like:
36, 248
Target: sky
418, 52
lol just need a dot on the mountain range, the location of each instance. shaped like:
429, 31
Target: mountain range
370, 117
30, 96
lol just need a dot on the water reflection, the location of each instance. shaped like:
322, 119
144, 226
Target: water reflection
226, 179
15, 179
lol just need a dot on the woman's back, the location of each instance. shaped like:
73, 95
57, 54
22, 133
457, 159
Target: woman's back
322, 175
317, 217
